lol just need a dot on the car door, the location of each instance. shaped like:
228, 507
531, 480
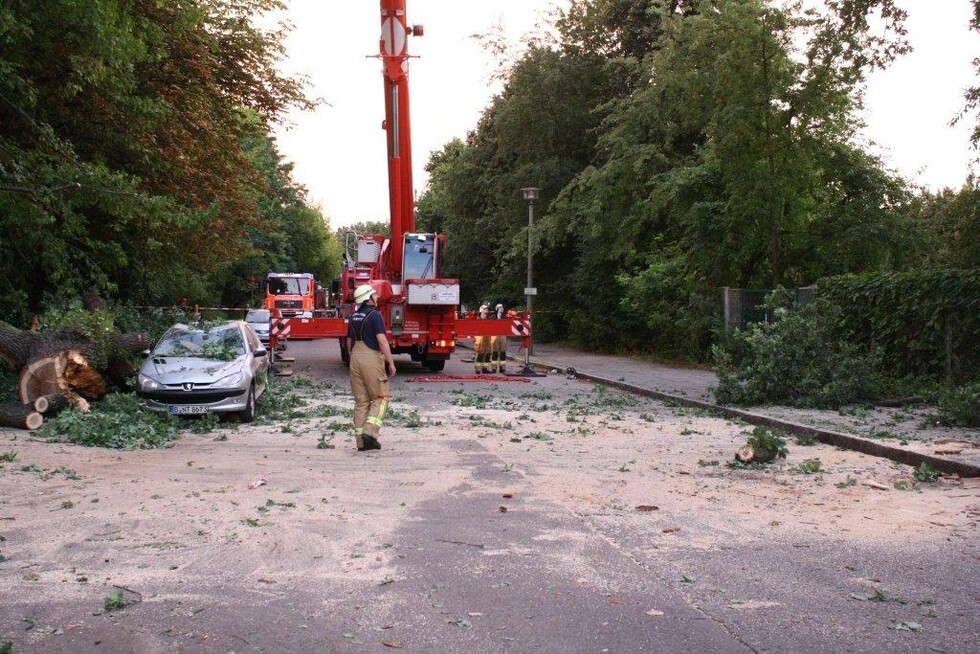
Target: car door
259, 366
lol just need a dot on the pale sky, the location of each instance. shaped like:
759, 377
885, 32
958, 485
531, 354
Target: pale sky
339, 150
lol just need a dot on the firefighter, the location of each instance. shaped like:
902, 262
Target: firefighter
481, 344
498, 344
369, 356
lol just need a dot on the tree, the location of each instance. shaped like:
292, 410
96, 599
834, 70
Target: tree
122, 168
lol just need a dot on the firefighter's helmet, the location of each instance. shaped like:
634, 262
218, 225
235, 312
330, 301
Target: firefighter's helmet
499, 307
363, 293
484, 307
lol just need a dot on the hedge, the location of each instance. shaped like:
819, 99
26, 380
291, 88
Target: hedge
911, 318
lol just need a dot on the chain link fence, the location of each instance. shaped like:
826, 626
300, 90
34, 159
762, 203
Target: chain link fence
744, 306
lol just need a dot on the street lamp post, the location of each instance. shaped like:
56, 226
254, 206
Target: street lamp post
531, 194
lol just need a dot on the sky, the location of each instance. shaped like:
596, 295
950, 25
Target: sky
338, 151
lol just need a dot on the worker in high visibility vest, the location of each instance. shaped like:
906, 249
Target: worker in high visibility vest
481, 344
498, 344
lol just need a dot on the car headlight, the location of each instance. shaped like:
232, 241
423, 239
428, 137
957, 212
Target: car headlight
229, 382
147, 383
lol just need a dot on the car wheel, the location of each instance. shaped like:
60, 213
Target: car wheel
248, 415
435, 366
344, 355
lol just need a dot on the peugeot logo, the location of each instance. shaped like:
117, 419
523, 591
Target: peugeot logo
188, 386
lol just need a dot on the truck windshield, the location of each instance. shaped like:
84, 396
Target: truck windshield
289, 285
419, 255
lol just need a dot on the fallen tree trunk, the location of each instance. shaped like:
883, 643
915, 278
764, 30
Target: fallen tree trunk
67, 372
19, 416
18, 347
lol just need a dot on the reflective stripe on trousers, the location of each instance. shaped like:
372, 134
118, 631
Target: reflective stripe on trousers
369, 384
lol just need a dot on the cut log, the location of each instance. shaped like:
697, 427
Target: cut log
51, 405
745, 454
67, 372
19, 416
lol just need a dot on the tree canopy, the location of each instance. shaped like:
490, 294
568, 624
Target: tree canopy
135, 159
682, 146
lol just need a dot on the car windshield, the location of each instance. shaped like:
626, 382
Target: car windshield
258, 316
221, 343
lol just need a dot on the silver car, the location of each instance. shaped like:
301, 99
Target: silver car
259, 320
215, 368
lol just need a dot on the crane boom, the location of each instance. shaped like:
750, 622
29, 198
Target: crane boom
394, 55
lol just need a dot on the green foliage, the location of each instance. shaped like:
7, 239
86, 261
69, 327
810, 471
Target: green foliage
799, 361
910, 318
960, 406
767, 441
808, 467
150, 321
8, 384
680, 146
114, 601
119, 421
73, 318
926, 473
126, 166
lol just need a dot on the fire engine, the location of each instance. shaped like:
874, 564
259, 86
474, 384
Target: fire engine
292, 294
419, 305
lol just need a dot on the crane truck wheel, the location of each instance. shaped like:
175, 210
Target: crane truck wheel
436, 366
344, 354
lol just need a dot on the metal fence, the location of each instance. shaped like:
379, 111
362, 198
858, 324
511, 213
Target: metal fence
743, 306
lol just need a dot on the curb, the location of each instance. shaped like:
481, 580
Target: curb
827, 436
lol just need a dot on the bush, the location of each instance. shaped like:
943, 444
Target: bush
799, 360
152, 322
960, 406
911, 318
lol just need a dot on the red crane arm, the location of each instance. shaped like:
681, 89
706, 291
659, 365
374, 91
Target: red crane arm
394, 54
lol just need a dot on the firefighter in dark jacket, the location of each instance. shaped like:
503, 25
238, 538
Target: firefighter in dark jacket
370, 355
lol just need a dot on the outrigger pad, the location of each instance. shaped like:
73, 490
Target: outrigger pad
526, 371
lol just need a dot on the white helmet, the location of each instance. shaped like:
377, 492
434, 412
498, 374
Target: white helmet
363, 293
484, 307
499, 307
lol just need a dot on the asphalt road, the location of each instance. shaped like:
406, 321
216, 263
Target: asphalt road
461, 558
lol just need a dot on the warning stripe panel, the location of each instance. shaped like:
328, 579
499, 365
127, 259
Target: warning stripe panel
468, 327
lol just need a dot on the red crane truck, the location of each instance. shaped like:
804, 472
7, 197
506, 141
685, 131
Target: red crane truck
419, 305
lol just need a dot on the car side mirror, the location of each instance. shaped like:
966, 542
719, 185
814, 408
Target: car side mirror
259, 353
145, 353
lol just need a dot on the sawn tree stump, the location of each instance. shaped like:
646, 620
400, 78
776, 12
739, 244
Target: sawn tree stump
67, 372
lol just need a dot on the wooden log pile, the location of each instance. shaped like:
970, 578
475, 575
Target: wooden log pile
61, 369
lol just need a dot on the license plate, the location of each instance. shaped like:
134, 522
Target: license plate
186, 409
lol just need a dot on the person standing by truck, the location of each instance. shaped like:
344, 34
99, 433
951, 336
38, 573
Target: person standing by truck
370, 355
498, 345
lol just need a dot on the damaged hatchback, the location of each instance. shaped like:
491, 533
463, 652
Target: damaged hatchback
210, 368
